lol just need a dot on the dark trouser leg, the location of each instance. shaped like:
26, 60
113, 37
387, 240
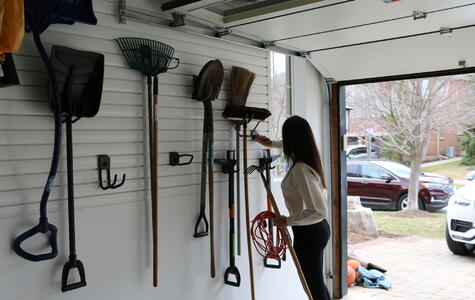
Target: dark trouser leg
309, 242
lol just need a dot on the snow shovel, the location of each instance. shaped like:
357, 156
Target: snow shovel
287, 238
206, 88
38, 16
80, 77
228, 168
150, 58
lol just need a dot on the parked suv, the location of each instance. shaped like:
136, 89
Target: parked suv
460, 229
384, 184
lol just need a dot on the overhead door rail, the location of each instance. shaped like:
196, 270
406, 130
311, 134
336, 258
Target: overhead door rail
196, 25
416, 15
442, 30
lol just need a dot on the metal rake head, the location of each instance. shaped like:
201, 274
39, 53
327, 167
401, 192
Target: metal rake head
253, 168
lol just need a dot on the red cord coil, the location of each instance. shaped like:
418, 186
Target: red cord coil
262, 239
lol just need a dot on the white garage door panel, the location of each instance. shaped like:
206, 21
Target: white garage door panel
348, 14
455, 18
421, 54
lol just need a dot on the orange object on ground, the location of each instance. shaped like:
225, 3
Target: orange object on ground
354, 264
12, 25
351, 276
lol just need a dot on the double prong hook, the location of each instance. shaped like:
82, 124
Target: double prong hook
104, 163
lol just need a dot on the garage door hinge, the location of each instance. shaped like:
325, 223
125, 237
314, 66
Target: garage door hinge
329, 275
419, 14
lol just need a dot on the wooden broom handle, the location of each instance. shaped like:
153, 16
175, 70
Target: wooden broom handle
286, 234
248, 219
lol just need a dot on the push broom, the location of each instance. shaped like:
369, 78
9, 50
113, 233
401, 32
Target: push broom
238, 113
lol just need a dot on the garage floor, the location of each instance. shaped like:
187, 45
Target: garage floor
418, 268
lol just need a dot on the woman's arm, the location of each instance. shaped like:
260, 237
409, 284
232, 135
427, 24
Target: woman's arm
312, 194
265, 141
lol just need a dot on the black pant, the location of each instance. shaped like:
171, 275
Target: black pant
309, 242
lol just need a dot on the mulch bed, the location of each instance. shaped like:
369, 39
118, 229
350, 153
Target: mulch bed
356, 238
412, 214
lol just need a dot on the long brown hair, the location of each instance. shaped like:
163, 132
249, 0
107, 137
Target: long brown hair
299, 145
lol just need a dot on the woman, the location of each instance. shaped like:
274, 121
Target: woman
304, 191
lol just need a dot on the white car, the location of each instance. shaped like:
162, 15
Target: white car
460, 229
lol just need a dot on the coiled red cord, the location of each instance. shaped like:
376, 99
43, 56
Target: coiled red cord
262, 239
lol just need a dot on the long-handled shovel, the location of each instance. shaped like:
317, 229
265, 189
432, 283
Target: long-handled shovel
228, 168
80, 75
206, 88
286, 234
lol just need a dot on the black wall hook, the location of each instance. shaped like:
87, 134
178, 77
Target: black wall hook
104, 163
175, 159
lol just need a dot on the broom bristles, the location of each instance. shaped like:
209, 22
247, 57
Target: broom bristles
241, 82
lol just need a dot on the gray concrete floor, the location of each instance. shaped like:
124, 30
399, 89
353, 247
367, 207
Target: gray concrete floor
419, 268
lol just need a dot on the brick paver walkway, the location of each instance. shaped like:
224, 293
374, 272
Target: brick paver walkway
419, 269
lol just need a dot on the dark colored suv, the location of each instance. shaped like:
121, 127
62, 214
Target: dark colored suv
384, 184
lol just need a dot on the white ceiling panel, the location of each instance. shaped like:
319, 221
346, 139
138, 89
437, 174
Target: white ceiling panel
414, 55
404, 27
409, 55
338, 16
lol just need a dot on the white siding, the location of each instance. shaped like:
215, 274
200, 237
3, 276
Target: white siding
113, 229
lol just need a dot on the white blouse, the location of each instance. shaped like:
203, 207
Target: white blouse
305, 196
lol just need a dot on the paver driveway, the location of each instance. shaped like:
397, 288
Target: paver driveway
419, 268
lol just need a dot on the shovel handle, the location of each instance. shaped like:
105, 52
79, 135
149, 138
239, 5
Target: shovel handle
201, 218
73, 263
232, 270
272, 266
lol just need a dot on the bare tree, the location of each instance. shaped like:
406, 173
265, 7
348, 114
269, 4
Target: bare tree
406, 112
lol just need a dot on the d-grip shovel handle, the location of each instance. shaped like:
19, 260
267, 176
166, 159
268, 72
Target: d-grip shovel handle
272, 266
201, 217
232, 270
42, 227
73, 263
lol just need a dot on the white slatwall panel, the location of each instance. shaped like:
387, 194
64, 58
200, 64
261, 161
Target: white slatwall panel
113, 227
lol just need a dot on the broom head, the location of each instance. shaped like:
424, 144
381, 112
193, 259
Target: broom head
245, 113
241, 82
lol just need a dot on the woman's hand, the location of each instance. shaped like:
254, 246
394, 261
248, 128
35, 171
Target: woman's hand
263, 140
279, 221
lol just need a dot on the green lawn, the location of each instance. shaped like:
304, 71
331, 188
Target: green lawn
454, 170
430, 227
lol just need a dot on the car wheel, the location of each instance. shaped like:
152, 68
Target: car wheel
457, 248
402, 202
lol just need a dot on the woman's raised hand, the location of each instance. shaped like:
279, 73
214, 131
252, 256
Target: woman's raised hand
263, 140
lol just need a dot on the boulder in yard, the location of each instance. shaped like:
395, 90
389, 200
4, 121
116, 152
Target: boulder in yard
360, 219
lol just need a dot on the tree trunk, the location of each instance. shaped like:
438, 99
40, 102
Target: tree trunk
413, 193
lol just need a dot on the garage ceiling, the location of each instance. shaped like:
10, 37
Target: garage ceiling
360, 38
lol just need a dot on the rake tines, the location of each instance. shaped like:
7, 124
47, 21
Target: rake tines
147, 56
253, 168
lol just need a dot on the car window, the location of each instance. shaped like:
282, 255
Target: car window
373, 172
352, 171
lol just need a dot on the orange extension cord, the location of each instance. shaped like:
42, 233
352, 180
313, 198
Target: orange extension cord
262, 239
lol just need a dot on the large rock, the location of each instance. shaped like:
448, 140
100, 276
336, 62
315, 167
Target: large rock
360, 219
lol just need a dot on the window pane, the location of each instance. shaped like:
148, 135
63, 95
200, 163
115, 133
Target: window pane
352, 171
372, 172
279, 104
